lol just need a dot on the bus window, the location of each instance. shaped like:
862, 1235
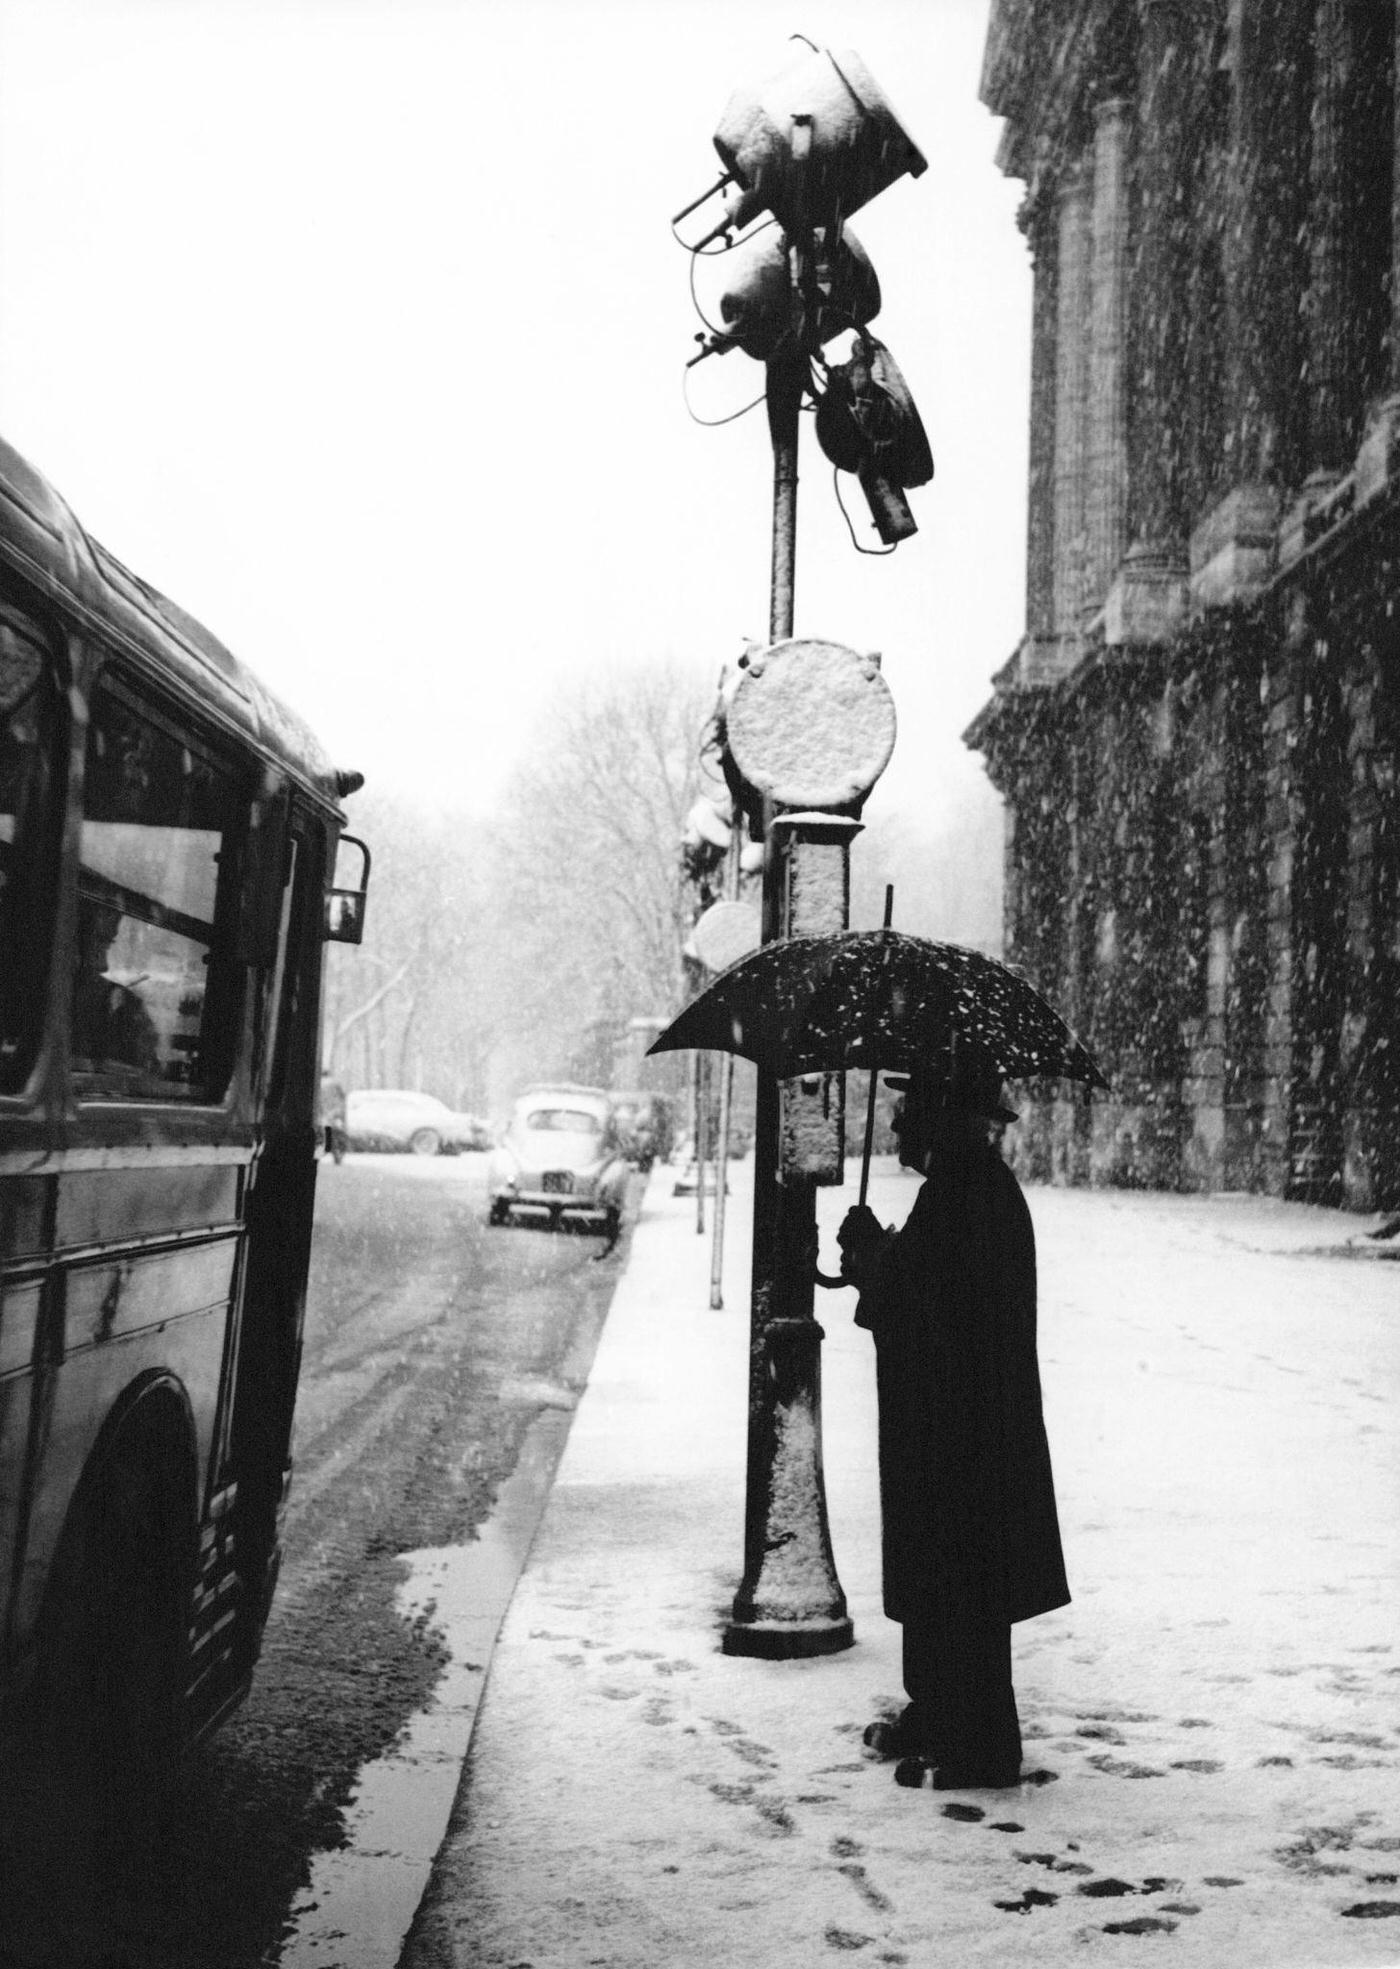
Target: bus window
26, 876
157, 813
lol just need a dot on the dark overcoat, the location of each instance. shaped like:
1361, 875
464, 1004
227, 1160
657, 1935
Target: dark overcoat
966, 1492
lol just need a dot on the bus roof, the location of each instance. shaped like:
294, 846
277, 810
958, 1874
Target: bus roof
42, 540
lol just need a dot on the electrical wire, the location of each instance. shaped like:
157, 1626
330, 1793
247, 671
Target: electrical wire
875, 553
695, 300
699, 253
713, 423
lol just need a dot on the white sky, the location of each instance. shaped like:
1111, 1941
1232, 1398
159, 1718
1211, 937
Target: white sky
357, 327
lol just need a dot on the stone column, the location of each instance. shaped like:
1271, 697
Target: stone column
1264, 267
1038, 655
1234, 549
1040, 519
1333, 358
1071, 456
1108, 457
1395, 229
1164, 119
1378, 460
1148, 600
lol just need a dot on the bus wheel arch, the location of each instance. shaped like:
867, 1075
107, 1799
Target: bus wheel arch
113, 1632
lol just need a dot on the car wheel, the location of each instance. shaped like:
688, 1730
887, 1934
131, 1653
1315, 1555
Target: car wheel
425, 1141
499, 1213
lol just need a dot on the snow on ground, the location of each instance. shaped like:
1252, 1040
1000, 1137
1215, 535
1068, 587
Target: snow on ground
1215, 1715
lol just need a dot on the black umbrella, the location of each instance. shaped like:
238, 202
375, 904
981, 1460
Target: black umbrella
880, 999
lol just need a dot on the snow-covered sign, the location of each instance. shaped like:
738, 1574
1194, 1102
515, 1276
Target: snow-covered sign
726, 932
811, 723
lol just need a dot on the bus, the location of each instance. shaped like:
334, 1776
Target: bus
173, 862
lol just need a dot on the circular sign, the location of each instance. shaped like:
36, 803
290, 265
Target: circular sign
811, 724
726, 932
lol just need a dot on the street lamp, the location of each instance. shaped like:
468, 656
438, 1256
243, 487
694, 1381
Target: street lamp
807, 730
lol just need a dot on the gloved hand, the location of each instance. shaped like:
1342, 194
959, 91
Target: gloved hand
861, 1236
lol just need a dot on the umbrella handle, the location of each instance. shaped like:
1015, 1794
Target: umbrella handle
874, 1077
825, 1278
869, 1136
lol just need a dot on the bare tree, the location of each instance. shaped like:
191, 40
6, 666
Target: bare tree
589, 859
410, 1007
499, 951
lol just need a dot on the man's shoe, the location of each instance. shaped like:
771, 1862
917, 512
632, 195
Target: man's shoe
914, 1773
891, 1736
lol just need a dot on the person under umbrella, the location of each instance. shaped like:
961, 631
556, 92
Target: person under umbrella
970, 1533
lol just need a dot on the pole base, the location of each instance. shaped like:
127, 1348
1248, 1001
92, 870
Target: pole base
788, 1640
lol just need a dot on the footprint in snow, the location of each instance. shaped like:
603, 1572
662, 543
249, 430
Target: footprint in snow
1119, 1767
1032, 1897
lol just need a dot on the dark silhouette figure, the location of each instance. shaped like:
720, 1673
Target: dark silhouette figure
971, 1540
332, 1110
111, 1027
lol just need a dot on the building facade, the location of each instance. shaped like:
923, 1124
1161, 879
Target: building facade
1198, 738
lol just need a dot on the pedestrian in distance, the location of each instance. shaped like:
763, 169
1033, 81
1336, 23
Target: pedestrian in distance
970, 1533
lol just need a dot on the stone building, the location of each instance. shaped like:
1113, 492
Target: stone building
1197, 739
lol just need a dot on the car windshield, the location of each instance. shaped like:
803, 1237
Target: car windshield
566, 1121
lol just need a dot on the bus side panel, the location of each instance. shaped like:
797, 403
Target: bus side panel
22, 1216
19, 1311
112, 1205
124, 1319
146, 1293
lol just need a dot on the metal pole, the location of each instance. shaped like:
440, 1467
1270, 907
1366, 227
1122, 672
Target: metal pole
790, 1602
699, 1141
726, 1097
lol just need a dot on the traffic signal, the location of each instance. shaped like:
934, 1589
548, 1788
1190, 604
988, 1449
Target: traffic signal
761, 307
812, 142
867, 424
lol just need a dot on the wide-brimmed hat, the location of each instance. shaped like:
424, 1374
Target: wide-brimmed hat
968, 1090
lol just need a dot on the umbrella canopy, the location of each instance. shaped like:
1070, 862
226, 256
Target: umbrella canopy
878, 998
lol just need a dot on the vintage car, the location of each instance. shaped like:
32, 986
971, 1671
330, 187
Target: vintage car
558, 1163
401, 1118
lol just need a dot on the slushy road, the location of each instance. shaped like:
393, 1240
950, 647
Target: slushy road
431, 1346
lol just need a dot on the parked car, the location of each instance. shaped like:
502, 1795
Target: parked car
401, 1118
558, 1163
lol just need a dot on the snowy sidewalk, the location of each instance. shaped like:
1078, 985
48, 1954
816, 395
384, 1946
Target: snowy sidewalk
1214, 1718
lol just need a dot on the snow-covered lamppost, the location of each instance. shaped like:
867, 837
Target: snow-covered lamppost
807, 729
